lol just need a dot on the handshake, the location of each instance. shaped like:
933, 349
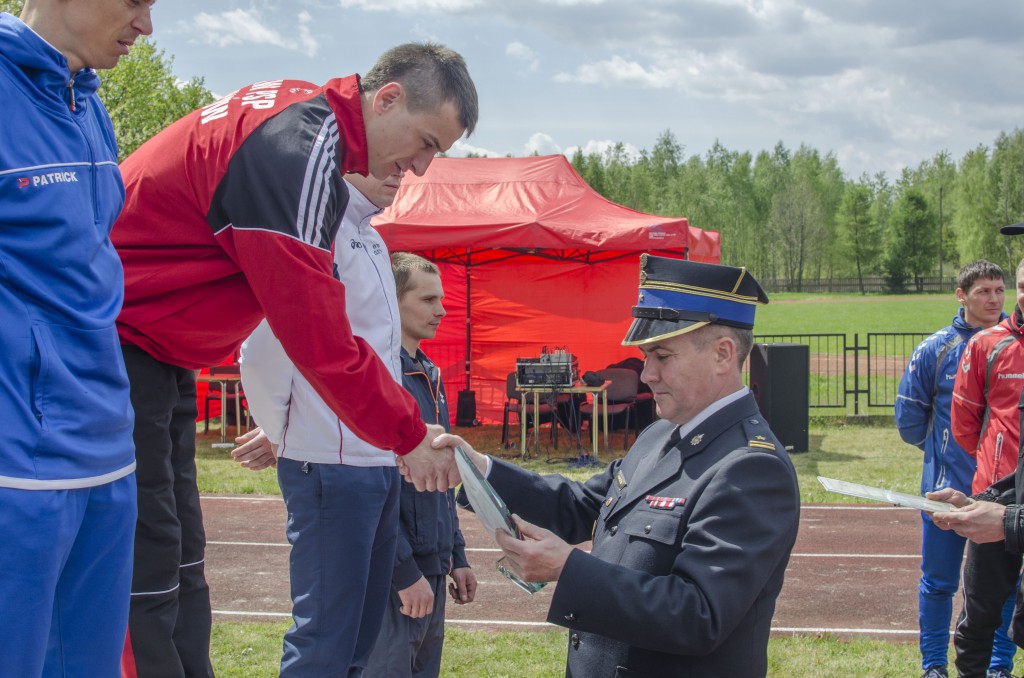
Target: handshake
431, 465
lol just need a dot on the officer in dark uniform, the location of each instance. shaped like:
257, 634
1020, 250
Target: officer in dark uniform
693, 529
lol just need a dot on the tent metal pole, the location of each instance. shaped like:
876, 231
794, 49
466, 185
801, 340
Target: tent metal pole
468, 327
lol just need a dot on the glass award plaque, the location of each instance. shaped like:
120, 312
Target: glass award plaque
883, 495
492, 512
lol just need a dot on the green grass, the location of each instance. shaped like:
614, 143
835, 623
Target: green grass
244, 650
870, 455
796, 313
218, 473
873, 455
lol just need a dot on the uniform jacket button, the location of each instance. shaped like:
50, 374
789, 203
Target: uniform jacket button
613, 529
647, 529
575, 640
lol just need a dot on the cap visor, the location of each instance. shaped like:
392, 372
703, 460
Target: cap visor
1013, 229
648, 330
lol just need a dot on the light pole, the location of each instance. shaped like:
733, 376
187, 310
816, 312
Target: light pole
940, 240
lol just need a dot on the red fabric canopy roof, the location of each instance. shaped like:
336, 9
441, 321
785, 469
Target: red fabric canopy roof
535, 203
530, 256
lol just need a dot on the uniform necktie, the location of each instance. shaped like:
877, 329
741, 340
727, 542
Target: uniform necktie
671, 443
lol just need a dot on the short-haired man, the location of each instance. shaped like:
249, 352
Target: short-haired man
340, 491
229, 218
430, 544
986, 423
997, 514
693, 529
923, 419
67, 487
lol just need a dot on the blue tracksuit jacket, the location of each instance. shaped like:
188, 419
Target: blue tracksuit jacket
429, 542
67, 419
923, 407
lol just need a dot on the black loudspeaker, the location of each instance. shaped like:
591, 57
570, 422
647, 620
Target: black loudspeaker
780, 382
465, 410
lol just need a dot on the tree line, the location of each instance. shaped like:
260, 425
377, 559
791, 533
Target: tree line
141, 93
791, 216
786, 215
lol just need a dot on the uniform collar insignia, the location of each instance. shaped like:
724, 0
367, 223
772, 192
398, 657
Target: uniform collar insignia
695, 440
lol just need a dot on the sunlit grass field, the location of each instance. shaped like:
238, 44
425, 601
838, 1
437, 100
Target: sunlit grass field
867, 454
253, 651
795, 313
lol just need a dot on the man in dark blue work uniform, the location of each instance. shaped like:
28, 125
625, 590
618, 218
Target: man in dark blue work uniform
430, 546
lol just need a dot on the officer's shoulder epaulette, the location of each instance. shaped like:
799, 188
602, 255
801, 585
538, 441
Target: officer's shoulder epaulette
758, 434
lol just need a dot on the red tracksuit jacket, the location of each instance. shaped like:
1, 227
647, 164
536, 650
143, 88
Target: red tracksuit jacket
985, 418
230, 215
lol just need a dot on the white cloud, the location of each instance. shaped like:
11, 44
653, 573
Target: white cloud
619, 71
411, 6
541, 144
240, 27
461, 149
877, 82
571, 3
518, 50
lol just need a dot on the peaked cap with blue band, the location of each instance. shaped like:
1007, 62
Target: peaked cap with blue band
678, 296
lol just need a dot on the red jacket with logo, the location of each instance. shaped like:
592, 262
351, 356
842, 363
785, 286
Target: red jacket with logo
230, 216
985, 418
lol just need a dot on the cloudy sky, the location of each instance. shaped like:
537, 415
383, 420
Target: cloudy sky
882, 84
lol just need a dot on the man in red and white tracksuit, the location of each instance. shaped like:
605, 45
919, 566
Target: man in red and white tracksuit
986, 423
230, 216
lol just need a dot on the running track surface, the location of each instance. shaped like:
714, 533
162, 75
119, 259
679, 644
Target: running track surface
854, 571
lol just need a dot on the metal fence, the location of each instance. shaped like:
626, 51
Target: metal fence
855, 374
849, 374
870, 283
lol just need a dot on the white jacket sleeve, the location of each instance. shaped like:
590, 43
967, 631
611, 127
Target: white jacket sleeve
267, 374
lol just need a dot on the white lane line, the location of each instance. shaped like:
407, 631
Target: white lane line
495, 550
855, 507
825, 629
499, 622
855, 555
502, 622
282, 544
804, 507
239, 613
236, 612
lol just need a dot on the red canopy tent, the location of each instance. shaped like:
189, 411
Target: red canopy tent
530, 257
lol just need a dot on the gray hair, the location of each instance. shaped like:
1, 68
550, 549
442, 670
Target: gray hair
743, 338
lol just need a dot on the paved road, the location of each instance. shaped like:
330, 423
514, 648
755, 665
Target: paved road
854, 571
